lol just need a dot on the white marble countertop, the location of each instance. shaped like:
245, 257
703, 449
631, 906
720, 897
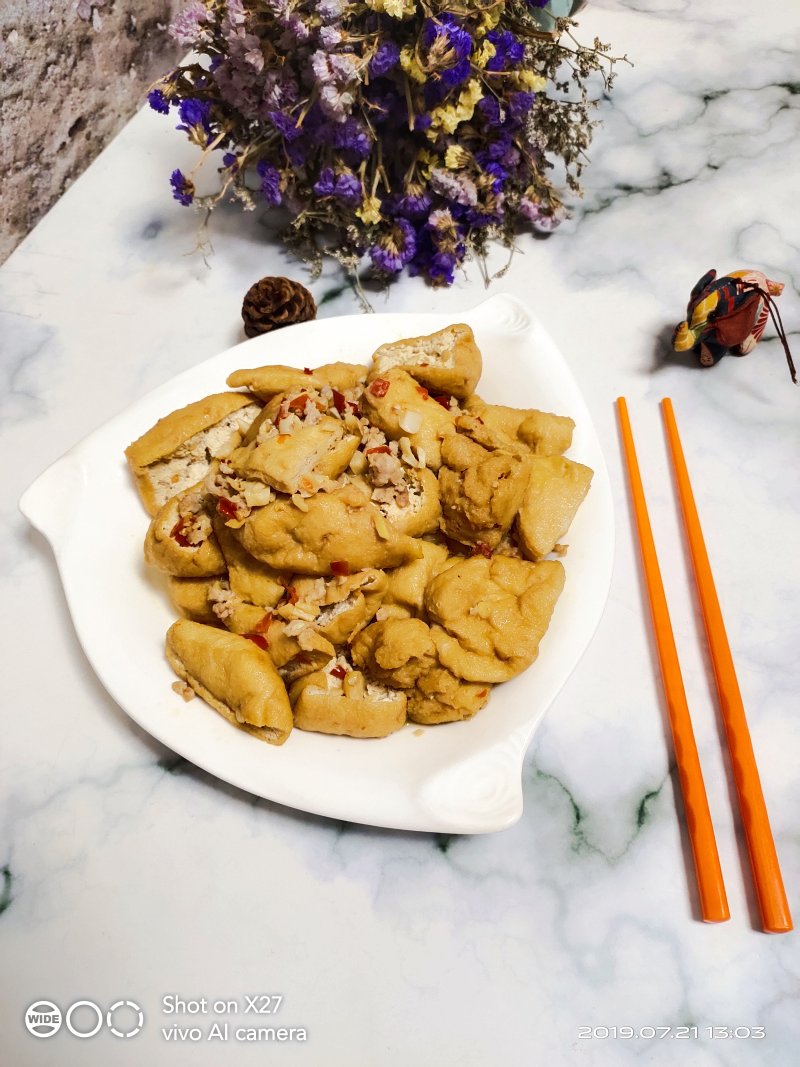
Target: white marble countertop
128, 874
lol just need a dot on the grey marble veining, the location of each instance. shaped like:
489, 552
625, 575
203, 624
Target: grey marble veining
126, 873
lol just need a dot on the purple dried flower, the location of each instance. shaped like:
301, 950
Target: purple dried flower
445, 39
385, 59
235, 12
519, 104
344, 185
543, 218
270, 183
190, 25
349, 136
158, 102
182, 188
348, 188
194, 115
448, 48
231, 161
394, 249
489, 110
414, 204
334, 76
454, 186
285, 125
329, 10
509, 50
329, 37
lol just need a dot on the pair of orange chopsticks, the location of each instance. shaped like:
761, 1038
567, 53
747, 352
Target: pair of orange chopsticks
771, 895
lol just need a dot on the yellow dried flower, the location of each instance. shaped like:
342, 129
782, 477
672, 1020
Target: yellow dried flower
370, 210
396, 9
489, 20
448, 118
410, 64
526, 79
425, 162
456, 157
483, 54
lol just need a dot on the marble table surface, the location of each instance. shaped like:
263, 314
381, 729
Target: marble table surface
126, 874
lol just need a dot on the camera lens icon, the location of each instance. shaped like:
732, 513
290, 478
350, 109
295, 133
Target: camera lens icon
43, 1018
115, 1024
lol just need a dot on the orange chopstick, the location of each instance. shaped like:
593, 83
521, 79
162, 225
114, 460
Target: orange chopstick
713, 901
772, 901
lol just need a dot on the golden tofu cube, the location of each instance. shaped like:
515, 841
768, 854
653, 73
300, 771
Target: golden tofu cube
556, 490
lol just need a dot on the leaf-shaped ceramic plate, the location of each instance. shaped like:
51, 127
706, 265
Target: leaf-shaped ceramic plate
457, 778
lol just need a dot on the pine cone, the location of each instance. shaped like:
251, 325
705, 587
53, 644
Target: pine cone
275, 302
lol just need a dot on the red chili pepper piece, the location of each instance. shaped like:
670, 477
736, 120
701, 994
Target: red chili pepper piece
259, 640
338, 672
298, 403
340, 567
339, 401
306, 370
227, 508
482, 694
423, 392
482, 549
380, 387
443, 399
354, 408
292, 594
263, 625
378, 448
176, 533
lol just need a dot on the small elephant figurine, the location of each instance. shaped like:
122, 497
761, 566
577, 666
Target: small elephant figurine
728, 314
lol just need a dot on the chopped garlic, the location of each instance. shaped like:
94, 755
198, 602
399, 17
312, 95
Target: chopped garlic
410, 421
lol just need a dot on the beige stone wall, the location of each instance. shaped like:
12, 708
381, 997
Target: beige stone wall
67, 85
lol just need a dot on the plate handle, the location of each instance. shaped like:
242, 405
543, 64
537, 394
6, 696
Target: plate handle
502, 311
49, 503
481, 794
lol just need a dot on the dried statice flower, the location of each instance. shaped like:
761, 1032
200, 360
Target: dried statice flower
400, 133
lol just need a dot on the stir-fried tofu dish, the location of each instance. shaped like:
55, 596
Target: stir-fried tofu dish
353, 548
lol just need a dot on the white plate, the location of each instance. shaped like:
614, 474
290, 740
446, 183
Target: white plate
456, 778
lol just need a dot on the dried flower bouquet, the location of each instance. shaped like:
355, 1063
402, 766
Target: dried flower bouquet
406, 131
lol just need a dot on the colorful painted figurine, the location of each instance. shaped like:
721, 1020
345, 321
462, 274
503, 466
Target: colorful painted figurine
728, 314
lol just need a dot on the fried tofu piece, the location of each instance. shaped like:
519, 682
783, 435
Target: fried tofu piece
249, 578
291, 462
182, 543
401, 407
417, 510
297, 649
350, 604
190, 597
406, 585
439, 696
266, 382
395, 652
332, 533
546, 434
175, 454
236, 614
556, 489
481, 488
447, 361
233, 676
492, 614
348, 704
542, 433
